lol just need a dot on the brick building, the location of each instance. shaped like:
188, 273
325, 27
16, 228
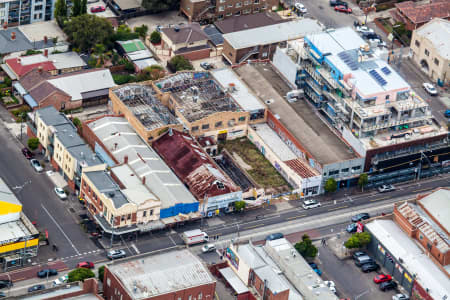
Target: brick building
174, 275
414, 15
212, 10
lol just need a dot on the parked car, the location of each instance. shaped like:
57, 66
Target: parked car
358, 254
5, 283
60, 193
352, 227
400, 297
307, 204
315, 268
338, 2
371, 36
364, 259
364, 29
379, 42
2, 295
360, 217
96, 9
86, 264
115, 254
36, 165
430, 89
447, 113
36, 287
300, 8
274, 236
60, 280
369, 267
386, 188
330, 284
47, 272
388, 285
342, 8
208, 248
206, 65
382, 278
28, 154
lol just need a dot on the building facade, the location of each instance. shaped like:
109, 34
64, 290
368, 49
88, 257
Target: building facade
21, 12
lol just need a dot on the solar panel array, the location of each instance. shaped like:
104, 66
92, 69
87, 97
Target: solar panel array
349, 60
386, 70
377, 77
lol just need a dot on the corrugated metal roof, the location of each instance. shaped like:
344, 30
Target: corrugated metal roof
438, 205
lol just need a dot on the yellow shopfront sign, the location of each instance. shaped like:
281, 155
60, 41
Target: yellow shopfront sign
18, 245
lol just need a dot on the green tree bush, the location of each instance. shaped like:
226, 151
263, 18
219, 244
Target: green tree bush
80, 274
101, 273
33, 143
141, 31
330, 185
155, 37
239, 205
363, 180
306, 247
180, 63
358, 240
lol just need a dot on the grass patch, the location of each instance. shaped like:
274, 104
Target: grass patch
262, 171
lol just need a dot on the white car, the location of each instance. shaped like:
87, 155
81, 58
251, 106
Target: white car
330, 284
208, 248
378, 42
307, 204
36, 165
364, 29
301, 8
400, 297
386, 188
60, 280
60, 193
430, 89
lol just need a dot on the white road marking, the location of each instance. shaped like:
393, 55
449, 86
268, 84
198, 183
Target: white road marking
135, 248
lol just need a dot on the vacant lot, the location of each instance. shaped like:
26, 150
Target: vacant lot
259, 167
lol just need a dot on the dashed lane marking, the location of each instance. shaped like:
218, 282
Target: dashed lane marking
336, 208
254, 226
378, 199
296, 217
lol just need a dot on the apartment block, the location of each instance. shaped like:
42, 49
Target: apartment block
21, 12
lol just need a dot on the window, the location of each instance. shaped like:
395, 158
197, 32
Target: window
427, 53
256, 10
436, 62
387, 97
220, 17
194, 128
230, 5
263, 7
242, 119
344, 170
239, 4
420, 236
144, 213
356, 168
151, 212
256, 2
334, 172
38, 7
218, 124
122, 218
129, 217
221, 8
205, 126
417, 43
238, 13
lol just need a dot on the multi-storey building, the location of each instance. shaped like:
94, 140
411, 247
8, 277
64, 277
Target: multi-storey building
20, 12
211, 10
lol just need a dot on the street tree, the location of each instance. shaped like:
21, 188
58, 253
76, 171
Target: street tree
101, 273
80, 274
239, 205
363, 180
33, 143
330, 185
306, 247
141, 30
358, 240
76, 8
180, 63
60, 11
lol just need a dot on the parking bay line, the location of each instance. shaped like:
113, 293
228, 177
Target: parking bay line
296, 217
336, 208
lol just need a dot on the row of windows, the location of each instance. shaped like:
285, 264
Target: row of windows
345, 170
245, 11
219, 124
427, 53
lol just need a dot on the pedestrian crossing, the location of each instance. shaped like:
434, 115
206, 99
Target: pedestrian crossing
81, 254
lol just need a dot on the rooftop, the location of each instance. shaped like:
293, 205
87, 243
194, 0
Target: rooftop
422, 13
7, 195
437, 204
13, 230
66, 60
161, 274
20, 43
132, 45
22, 65
274, 282
39, 30
51, 117
213, 34
122, 141
186, 34
274, 142
197, 94
84, 155
193, 166
244, 22
414, 260
142, 102
107, 186
67, 135
272, 33
128, 4
437, 32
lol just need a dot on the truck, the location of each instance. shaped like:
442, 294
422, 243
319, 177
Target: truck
195, 236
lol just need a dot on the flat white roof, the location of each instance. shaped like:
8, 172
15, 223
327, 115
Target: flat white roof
438, 205
13, 230
414, 260
274, 142
272, 33
66, 60
37, 31
236, 283
437, 31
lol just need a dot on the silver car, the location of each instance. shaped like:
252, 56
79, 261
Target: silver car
36, 165
60, 193
115, 254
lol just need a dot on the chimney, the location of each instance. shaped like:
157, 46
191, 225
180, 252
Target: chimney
5, 25
143, 179
46, 52
40, 70
125, 159
45, 39
19, 60
13, 36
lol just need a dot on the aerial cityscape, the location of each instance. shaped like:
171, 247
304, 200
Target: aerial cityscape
225, 149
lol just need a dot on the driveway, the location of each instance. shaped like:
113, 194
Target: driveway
163, 19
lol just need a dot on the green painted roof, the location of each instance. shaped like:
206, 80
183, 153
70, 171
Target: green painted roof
133, 45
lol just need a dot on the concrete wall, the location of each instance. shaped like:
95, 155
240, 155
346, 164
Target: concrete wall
285, 65
353, 141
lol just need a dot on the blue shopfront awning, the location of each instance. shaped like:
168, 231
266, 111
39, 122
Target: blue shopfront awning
28, 99
19, 88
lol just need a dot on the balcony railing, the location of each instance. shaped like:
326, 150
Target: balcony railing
392, 123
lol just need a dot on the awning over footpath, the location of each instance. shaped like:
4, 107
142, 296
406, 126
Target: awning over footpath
30, 101
234, 281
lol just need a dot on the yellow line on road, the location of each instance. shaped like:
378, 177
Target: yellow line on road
254, 226
378, 199
336, 208
295, 217
421, 190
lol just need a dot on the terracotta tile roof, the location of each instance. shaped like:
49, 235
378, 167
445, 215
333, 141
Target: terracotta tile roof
423, 13
238, 23
301, 168
16, 64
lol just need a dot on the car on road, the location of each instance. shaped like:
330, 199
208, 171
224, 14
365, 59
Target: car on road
338, 2
382, 278
360, 217
28, 154
86, 265
37, 287
371, 36
400, 297
330, 284
300, 8
364, 29
96, 9
61, 280
369, 267
378, 42
388, 285
36, 165
386, 188
352, 227
357, 254
429, 88
208, 248
5, 283
47, 272
307, 204
206, 65
342, 8
274, 236
447, 113
315, 268
2, 295
115, 254
60, 193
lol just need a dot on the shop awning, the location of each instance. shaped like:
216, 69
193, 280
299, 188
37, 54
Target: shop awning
19, 88
235, 282
30, 101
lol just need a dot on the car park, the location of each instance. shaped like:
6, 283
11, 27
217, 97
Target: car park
86, 265
300, 8
36, 165
380, 278
274, 236
342, 8
96, 9
60, 280
46, 273
360, 217
28, 154
369, 267
307, 204
429, 88
115, 254
386, 188
400, 297
388, 285
315, 268
60, 193
208, 248
5, 284
357, 254
37, 287
352, 227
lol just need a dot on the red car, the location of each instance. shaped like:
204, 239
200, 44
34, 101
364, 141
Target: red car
96, 9
382, 278
28, 154
85, 264
342, 8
